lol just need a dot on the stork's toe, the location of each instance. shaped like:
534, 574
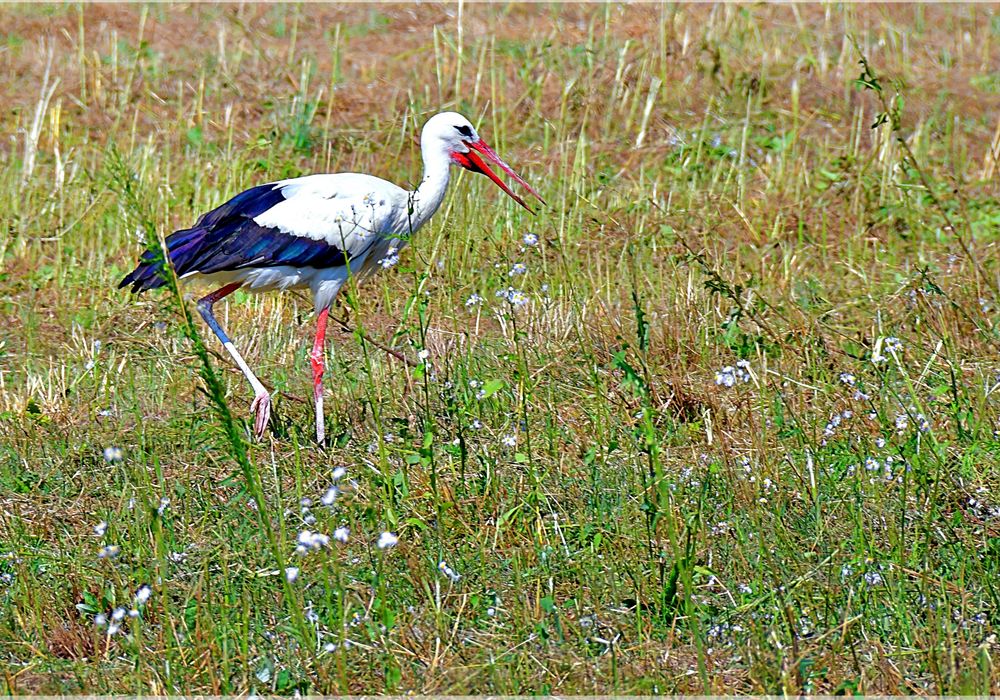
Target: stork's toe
261, 408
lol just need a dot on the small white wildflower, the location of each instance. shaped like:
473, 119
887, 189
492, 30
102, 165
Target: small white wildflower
902, 421
118, 615
390, 259
423, 355
338, 474
726, 377
530, 239
847, 378
509, 440
134, 612
329, 647
143, 595
113, 628
164, 502
729, 375
473, 300
177, 557
476, 424
308, 540
745, 589
518, 268
743, 371
113, 454
387, 540
109, 551
341, 534
291, 573
100, 620
514, 297
100, 528
448, 571
893, 344
873, 578
330, 497
491, 612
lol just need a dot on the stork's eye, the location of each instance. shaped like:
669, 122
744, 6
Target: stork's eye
464, 131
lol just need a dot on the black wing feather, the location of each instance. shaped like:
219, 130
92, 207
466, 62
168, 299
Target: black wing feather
227, 238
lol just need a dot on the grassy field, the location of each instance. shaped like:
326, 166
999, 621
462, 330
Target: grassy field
742, 436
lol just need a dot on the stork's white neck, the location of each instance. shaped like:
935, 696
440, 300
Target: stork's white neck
430, 193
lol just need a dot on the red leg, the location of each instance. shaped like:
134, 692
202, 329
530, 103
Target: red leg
316, 359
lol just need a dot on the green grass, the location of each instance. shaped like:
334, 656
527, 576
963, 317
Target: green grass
618, 520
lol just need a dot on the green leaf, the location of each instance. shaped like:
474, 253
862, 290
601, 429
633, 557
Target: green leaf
491, 387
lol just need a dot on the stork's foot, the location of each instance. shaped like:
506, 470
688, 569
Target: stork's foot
261, 408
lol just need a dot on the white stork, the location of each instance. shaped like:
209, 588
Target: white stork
315, 232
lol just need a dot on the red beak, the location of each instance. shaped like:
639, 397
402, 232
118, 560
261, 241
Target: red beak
474, 162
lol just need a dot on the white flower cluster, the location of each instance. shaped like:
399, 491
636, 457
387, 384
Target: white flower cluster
117, 617
514, 297
390, 259
330, 496
109, 551
729, 375
835, 422
891, 344
448, 571
309, 541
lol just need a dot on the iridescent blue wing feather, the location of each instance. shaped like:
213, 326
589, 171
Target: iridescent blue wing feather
227, 238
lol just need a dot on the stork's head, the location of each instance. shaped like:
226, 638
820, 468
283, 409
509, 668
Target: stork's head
454, 134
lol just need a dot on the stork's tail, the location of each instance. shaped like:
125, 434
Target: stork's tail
185, 248
150, 273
